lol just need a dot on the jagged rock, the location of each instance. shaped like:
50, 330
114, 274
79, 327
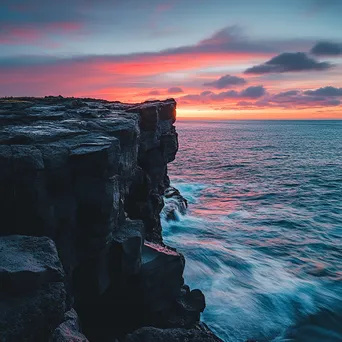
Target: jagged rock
161, 276
185, 313
158, 146
142, 298
174, 203
66, 166
145, 202
82, 140
32, 293
200, 333
127, 248
69, 330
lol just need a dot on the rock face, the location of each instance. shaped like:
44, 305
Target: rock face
32, 293
85, 179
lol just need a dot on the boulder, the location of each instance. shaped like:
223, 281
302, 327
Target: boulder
28, 262
32, 293
186, 311
144, 287
175, 204
161, 276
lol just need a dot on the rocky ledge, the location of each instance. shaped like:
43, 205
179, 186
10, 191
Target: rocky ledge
81, 251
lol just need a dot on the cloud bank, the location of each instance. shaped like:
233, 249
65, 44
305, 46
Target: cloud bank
289, 62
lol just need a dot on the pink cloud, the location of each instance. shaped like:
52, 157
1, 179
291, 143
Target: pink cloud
32, 34
135, 77
162, 63
256, 98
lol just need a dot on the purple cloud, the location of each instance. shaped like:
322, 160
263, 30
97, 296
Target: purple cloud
175, 90
253, 92
287, 93
321, 97
289, 62
226, 81
325, 91
206, 93
256, 97
327, 49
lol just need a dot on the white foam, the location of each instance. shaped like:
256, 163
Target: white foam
249, 294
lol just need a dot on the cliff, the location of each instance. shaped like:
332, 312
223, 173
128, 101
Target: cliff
81, 251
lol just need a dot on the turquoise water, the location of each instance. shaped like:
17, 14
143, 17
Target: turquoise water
262, 237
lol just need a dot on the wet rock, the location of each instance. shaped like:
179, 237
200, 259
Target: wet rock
185, 312
200, 333
175, 204
69, 330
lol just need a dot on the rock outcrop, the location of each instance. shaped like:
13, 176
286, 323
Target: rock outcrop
175, 204
32, 293
82, 256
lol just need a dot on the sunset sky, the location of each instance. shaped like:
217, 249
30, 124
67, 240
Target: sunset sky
234, 59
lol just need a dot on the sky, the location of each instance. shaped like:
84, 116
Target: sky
224, 59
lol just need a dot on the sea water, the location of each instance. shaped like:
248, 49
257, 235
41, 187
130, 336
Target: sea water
263, 234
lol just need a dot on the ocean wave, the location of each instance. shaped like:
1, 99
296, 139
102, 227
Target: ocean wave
262, 234
250, 294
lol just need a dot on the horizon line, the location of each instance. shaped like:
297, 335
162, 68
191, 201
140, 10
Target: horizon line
223, 119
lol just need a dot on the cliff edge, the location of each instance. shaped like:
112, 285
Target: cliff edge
81, 250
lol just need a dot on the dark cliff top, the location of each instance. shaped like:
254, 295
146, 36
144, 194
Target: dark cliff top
59, 107
27, 120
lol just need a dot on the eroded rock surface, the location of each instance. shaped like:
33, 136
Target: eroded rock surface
88, 176
32, 293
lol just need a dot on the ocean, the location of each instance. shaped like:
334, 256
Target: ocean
263, 233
